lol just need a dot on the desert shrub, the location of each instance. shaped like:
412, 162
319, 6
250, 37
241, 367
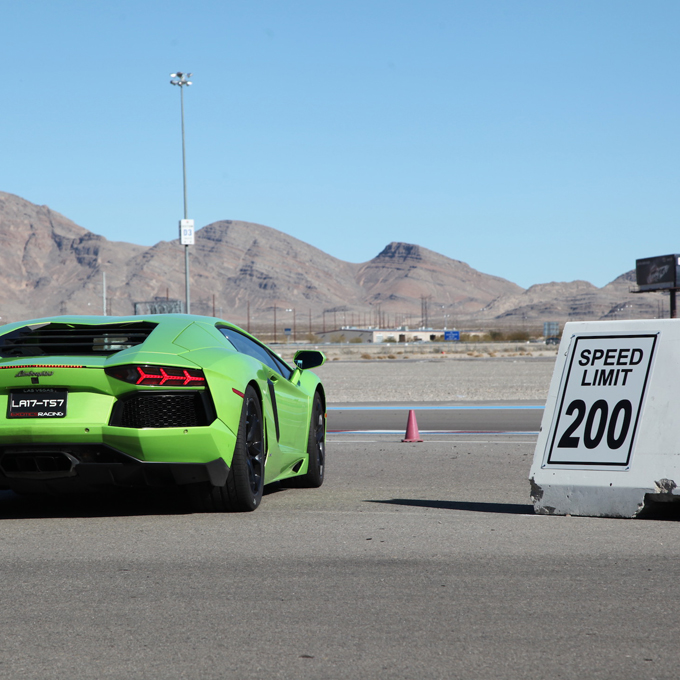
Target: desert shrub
356, 341
517, 336
496, 336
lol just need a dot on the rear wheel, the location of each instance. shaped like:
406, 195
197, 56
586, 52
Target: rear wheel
243, 489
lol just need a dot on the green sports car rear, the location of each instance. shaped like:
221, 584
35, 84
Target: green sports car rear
163, 400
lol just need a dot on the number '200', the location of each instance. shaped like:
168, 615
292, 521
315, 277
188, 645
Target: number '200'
592, 433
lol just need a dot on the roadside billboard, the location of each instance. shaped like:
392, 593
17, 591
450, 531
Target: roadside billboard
658, 273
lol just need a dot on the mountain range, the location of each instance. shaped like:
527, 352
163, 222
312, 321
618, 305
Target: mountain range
244, 271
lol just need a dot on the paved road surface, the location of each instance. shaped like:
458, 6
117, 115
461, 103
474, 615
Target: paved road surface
412, 561
484, 416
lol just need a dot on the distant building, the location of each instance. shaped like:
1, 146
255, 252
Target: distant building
377, 335
159, 305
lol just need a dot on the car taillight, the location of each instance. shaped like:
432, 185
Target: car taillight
158, 375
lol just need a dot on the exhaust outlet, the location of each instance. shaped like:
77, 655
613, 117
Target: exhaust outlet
38, 465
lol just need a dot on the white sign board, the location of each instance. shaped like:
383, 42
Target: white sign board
599, 402
186, 232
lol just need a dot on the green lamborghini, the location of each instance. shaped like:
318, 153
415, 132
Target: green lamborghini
89, 402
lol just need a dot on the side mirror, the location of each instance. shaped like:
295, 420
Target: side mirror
309, 358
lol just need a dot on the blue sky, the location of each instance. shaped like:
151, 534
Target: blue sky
534, 140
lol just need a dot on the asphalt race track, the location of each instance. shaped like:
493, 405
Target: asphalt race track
420, 560
438, 417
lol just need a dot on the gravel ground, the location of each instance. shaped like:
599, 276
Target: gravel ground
447, 379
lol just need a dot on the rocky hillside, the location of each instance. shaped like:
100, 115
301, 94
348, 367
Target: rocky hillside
49, 265
404, 275
576, 300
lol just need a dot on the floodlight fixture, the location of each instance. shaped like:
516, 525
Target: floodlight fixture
180, 78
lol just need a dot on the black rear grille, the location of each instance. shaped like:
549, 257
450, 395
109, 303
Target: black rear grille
62, 338
153, 409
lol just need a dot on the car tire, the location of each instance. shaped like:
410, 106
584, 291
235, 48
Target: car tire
242, 491
316, 448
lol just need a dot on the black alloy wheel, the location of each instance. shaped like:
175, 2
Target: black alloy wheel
254, 446
246, 477
245, 482
316, 448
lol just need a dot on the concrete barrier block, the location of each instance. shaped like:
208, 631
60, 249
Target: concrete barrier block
610, 437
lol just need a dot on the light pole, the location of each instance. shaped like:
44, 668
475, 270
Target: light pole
186, 228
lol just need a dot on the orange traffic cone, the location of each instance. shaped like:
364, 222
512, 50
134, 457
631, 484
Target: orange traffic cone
412, 434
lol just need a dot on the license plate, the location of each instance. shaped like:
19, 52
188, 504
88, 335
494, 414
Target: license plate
37, 403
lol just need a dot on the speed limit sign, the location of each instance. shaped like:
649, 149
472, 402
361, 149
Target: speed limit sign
600, 401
